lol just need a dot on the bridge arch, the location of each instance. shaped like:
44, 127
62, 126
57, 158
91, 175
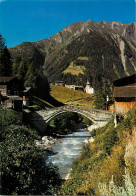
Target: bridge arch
66, 111
41, 118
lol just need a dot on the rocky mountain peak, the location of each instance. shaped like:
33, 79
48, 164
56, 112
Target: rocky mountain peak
130, 31
69, 49
116, 26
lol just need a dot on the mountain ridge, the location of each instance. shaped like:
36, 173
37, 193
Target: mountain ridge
110, 47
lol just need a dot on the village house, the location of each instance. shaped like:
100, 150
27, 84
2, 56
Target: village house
74, 87
124, 96
71, 86
11, 91
59, 83
27, 96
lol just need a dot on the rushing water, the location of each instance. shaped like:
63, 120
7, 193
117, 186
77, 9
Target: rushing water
67, 150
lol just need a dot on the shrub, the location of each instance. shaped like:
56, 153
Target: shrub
110, 190
109, 140
23, 168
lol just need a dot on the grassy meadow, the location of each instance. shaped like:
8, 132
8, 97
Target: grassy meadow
74, 69
63, 94
77, 66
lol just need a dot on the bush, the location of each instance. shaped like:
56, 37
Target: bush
128, 190
109, 140
7, 118
23, 165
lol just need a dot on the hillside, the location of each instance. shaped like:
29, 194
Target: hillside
112, 150
110, 50
63, 95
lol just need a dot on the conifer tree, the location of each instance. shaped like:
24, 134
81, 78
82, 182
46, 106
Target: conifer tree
16, 65
30, 78
100, 99
22, 70
5, 59
42, 86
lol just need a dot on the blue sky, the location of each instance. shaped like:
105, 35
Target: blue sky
34, 20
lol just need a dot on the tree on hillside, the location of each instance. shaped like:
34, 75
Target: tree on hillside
16, 64
28, 73
23, 66
42, 88
100, 99
30, 78
5, 59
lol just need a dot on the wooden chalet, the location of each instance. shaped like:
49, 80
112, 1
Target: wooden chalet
11, 91
27, 96
124, 95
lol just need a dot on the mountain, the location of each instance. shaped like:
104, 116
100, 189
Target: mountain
100, 52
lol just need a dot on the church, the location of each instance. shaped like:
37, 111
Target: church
89, 89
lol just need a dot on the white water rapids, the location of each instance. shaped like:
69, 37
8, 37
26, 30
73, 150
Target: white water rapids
67, 150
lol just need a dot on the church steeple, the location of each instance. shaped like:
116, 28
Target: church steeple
88, 83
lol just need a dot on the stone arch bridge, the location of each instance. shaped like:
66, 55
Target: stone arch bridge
41, 118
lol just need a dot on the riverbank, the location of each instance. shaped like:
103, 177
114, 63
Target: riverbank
96, 126
46, 142
110, 155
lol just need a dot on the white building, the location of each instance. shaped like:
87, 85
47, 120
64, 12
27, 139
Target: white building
74, 87
70, 86
89, 89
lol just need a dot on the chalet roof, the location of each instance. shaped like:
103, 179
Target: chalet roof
27, 89
125, 81
6, 79
125, 91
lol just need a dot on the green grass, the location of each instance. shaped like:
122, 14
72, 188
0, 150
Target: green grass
83, 58
74, 69
27, 110
63, 94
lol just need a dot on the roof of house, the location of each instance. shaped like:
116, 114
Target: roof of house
125, 91
125, 81
6, 79
27, 89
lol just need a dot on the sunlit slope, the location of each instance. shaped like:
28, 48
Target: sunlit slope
77, 66
63, 94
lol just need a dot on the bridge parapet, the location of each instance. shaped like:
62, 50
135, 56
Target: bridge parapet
41, 118
91, 113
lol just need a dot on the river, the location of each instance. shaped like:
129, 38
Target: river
68, 149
